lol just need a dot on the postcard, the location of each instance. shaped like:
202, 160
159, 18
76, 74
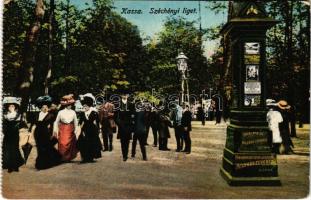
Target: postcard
140, 99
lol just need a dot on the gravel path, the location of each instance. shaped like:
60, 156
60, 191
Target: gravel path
164, 175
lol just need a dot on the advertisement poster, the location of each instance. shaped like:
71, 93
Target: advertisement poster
138, 99
252, 59
252, 48
252, 72
252, 87
252, 100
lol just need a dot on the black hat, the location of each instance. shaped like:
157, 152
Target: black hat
123, 91
43, 100
88, 101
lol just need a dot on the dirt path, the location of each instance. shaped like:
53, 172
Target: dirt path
164, 175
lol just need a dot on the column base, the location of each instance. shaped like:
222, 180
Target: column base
249, 181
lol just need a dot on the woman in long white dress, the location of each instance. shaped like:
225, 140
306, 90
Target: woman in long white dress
274, 117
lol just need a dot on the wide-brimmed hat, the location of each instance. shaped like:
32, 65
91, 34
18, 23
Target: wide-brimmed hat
271, 102
12, 100
87, 99
89, 95
67, 100
123, 91
44, 100
283, 105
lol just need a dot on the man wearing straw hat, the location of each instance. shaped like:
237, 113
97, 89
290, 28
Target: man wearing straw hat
284, 126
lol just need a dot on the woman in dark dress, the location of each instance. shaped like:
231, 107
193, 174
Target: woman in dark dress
47, 155
11, 156
89, 143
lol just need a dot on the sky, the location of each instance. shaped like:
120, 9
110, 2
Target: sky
150, 24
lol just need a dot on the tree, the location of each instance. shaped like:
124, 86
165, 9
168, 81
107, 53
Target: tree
177, 35
288, 54
17, 15
25, 75
50, 65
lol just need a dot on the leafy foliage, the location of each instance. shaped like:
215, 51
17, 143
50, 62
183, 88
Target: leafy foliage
177, 35
288, 54
95, 48
17, 17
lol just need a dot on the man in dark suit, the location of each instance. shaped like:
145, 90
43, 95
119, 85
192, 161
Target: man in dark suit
186, 124
140, 131
125, 121
106, 115
176, 117
154, 123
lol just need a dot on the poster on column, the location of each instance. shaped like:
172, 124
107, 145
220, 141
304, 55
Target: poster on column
252, 88
252, 59
252, 48
251, 100
252, 72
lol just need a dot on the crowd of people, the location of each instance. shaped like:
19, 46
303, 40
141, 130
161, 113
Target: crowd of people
79, 132
209, 112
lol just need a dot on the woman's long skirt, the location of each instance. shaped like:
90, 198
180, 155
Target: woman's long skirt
11, 156
47, 156
89, 143
67, 142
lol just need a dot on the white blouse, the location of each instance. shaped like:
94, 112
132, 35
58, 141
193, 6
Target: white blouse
12, 116
42, 115
274, 118
66, 116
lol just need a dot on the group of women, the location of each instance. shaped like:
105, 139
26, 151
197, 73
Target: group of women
50, 128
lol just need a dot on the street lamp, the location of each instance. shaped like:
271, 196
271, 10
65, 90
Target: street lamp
183, 68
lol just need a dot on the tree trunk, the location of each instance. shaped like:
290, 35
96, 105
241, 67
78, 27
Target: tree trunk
289, 50
25, 74
67, 56
50, 65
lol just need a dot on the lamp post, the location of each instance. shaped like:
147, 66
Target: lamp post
203, 98
183, 68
